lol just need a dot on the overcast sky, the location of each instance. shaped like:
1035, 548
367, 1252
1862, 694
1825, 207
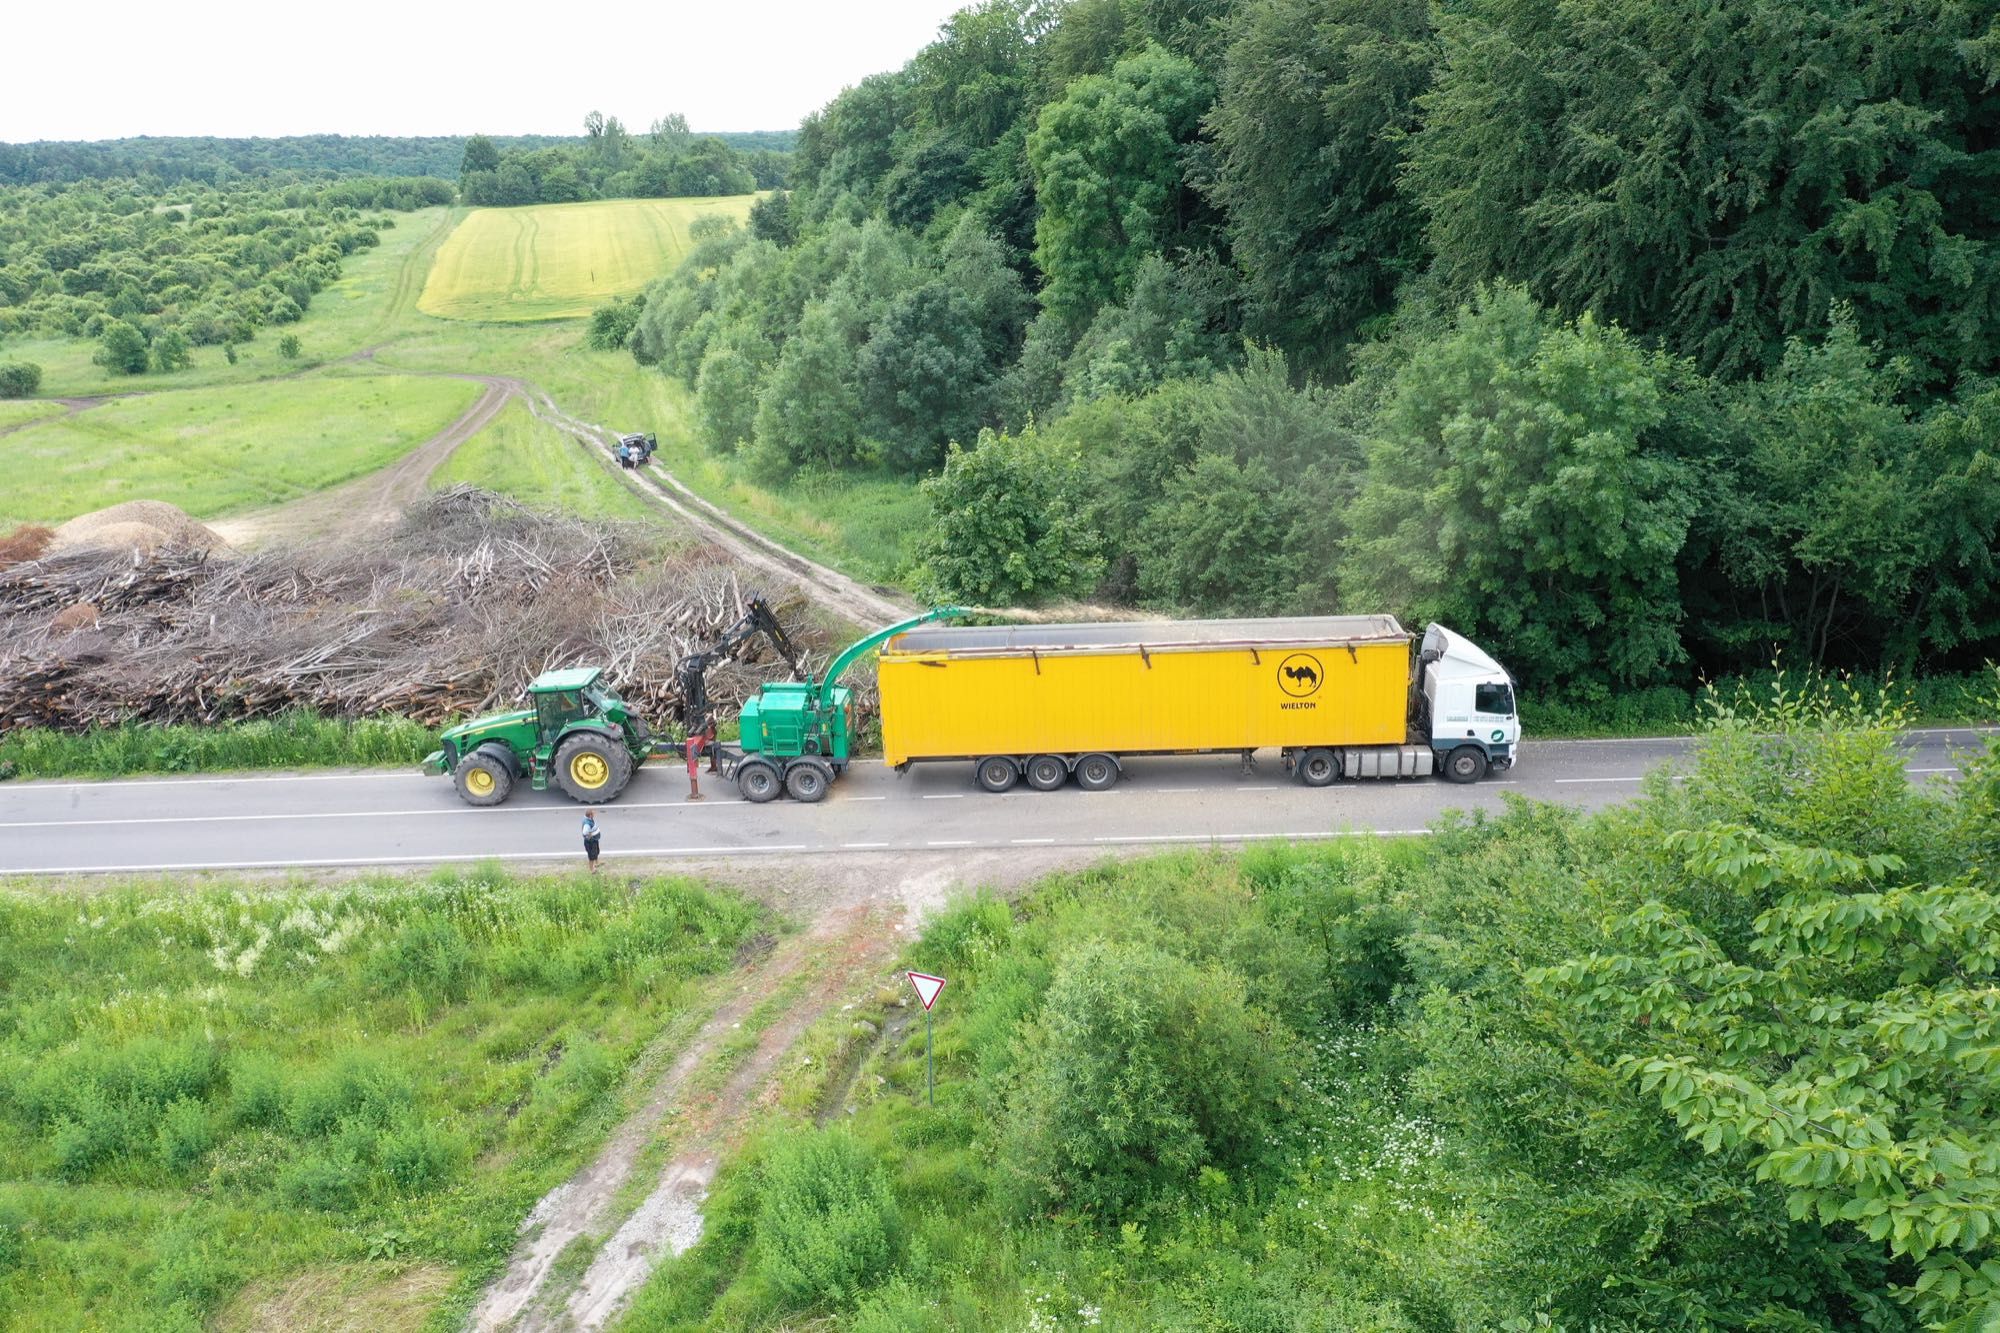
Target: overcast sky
227, 67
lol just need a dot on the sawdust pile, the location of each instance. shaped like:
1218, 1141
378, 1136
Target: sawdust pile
452, 613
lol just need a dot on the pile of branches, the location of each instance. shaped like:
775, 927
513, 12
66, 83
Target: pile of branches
452, 613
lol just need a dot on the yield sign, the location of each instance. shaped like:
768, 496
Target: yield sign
927, 987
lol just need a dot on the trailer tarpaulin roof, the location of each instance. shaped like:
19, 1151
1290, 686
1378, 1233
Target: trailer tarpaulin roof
1152, 635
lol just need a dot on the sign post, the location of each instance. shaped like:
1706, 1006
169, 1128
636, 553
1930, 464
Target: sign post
927, 990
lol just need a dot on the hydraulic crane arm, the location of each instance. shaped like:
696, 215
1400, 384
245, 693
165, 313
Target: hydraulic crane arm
852, 653
691, 672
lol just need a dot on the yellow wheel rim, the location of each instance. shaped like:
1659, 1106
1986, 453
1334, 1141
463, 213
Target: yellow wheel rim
589, 770
479, 782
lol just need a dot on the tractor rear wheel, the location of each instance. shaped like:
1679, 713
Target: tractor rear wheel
1046, 772
591, 766
807, 779
759, 780
483, 778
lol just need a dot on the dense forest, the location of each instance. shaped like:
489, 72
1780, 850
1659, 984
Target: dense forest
172, 160
612, 163
1721, 1058
1638, 339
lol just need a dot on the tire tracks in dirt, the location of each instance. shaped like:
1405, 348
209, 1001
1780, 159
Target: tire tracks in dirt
842, 954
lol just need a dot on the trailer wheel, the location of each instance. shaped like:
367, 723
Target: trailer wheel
482, 778
1318, 768
1465, 764
996, 773
758, 780
1046, 772
807, 780
1097, 772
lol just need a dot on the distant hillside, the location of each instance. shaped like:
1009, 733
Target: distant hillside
174, 159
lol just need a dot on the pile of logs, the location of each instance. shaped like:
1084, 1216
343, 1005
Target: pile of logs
451, 615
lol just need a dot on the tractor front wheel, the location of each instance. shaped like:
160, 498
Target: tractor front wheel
592, 767
482, 778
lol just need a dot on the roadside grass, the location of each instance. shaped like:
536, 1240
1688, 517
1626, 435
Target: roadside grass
211, 1087
1947, 700
557, 261
520, 456
294, 739
953, 1249
225, 449
374, 297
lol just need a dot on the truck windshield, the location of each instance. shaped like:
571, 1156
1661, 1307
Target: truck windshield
1494, 699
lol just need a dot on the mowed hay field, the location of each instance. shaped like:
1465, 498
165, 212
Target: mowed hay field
558, 261
222, 450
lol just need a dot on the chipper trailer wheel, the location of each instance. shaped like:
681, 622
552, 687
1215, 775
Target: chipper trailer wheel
1046, 772
592, 767
483, 778
807, 779
758, 780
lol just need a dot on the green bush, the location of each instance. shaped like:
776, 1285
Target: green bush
184, 1135
293, 739
329, 1182
354, 1088
428, 956
18, 379
1142, 1069
827, 1226
416, 1157
256, 1091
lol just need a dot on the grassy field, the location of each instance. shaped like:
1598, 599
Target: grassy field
226, 449
291, 1094
556, 261
15, 413
521, 456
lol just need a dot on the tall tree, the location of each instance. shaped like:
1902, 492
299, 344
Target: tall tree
1719, 175
1511, 493
1108, 162
1316, 98
480, 155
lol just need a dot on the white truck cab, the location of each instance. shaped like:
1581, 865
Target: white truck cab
1469, 706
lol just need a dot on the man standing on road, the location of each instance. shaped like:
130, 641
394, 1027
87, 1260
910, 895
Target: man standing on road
590, 835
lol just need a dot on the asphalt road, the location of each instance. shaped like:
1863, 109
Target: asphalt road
397, 818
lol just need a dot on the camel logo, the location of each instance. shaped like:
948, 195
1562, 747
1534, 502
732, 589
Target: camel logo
1299, 675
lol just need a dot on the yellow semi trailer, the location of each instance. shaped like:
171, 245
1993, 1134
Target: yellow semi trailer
1335, 695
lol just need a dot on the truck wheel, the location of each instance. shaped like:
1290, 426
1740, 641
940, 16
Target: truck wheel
758, 780
996, 773
482, 778
592, 767
1318, 768
808, 779
1046, 772
1465, 764
1097, 772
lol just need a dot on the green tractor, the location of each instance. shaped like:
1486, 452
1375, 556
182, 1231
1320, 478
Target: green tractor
575, 733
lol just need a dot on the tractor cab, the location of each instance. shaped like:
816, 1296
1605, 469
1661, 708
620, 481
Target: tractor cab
564, 698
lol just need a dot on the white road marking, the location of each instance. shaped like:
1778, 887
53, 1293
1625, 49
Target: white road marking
357, 814
966, 842
407, 860
865, 846
1029, 842
947, 796
1952, 769
851, 800
102, 784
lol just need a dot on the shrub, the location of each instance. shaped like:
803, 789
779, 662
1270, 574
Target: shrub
123, 350
256, 1091
289, 347
184, 1135
353, 1089
428, 956
611, 325
415, 1156
1143, 1069
328, 1181
18, 379
827, 1226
